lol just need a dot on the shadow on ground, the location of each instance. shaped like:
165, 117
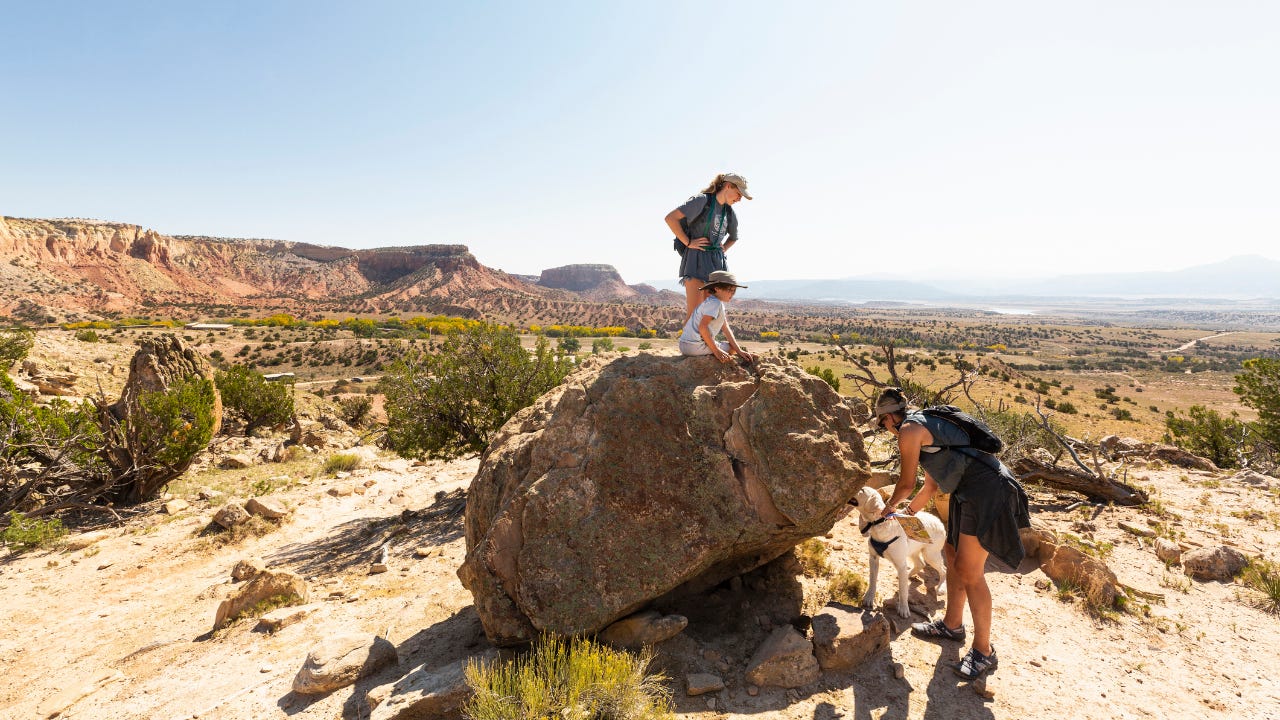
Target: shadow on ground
358, 542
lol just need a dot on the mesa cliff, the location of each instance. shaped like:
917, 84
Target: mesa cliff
70, 269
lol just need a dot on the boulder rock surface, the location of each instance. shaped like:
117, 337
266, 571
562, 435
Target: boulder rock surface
1221, 563
644, 475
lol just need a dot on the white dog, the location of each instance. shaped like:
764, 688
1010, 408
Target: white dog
886, 538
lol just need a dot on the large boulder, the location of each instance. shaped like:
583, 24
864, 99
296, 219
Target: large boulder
160, 362
646, 475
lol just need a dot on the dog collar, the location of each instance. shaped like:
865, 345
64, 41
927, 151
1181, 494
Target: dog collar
867, 528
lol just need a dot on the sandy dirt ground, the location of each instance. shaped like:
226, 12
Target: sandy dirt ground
121, 628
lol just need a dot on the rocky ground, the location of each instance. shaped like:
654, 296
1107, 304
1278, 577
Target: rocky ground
118, 622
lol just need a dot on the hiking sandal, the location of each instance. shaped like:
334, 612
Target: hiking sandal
974, 663
938, 629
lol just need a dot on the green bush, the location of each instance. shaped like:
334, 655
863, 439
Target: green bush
1259, 388
569, 344
827, 375
568, 679
87, 335
246, 394
25, 533
452, 402
1207, 433
355, 410
341, 462
15, 344
600, 345
1264, 576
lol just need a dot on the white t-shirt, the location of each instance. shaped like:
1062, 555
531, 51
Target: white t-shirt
711, 307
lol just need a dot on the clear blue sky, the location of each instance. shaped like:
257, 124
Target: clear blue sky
924, 138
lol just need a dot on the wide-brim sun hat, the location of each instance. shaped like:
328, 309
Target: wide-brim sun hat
721, 277
738, 182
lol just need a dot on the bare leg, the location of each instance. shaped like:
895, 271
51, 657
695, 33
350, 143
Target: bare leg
956, 596
692, 296
970, 568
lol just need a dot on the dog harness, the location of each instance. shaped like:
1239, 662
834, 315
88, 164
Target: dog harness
877, 545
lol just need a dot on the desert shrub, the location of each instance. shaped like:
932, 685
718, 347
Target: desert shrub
1067, 408
574, 678
89, 336
15, 344
449, 403
156, 442
846, 586
355, 410
341, 462
812, 554
25, 533
600, 345
1259, 388
1264, 576
1021, 432
827, 376
569, 344
250, 397
1207, 433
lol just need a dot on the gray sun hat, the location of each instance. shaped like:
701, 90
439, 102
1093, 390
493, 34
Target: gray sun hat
721, 277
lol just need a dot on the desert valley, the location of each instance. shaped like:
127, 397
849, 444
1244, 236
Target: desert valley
348, 558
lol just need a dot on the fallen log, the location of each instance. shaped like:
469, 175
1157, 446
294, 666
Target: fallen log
1096, 488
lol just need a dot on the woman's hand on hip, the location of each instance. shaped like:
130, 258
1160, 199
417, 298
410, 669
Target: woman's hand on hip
699, 243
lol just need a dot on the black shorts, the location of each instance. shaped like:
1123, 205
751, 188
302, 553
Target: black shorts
964, 516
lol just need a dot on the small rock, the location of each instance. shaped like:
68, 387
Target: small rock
342, 474
378, 568
899, 670
703, 683
712, 655
1168, 551
341, 660
265, 668
247, 568
267, 585
207, 494
173, 507
236, 462
341, 490
752, 690
784, 659
370, 483
843, 639
423, 552
1136, 529
281, 618
711, 703
1221, 563
268, 507
644, 628
231, 515
436, 693
105, 565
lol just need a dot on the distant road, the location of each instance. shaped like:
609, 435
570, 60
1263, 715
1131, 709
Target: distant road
1189, 345
363, 379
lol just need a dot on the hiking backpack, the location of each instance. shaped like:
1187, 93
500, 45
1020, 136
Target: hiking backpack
980, 436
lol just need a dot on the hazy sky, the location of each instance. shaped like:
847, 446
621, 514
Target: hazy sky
925, 138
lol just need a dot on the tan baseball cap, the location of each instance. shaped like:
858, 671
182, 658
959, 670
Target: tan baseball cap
738, 182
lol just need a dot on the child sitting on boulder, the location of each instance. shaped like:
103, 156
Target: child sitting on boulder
709, 318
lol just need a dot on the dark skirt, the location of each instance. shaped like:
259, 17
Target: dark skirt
999, 504
701, 263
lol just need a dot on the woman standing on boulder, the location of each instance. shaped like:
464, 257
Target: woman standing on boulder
987, 508
705, 227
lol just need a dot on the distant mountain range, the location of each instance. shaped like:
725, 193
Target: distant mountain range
1238, 278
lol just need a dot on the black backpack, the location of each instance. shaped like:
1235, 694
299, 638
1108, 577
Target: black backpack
980, 436
701, 217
